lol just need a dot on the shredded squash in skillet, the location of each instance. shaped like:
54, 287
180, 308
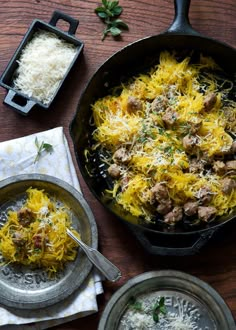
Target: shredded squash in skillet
167, 137
36, 235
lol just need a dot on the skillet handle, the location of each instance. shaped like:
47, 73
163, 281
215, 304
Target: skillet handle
151, 246
181, 22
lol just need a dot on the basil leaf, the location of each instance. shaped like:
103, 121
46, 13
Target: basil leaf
122, 24
102, 15
117, 10
115, 31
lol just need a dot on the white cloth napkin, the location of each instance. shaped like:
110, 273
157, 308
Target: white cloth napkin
18, 157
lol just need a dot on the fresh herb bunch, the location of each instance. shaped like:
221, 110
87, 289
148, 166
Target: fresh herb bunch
42, 147
108, 12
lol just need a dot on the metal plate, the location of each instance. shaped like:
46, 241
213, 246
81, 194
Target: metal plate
22, 287
185, 296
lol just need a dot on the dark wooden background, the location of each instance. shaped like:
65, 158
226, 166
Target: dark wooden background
216, 262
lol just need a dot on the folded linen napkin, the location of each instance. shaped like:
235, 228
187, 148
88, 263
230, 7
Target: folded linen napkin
18, 157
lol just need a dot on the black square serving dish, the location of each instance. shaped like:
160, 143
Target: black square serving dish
19, 101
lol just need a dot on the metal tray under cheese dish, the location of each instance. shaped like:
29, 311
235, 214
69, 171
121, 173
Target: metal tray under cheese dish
19, 101
186, 298
22, 287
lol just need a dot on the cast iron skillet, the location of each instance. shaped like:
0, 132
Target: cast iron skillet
135, 58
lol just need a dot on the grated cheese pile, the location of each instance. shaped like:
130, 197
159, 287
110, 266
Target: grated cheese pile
139, 321
43, 241
155, 149
176, 317
42, 66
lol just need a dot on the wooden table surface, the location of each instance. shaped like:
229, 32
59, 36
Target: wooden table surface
216, 262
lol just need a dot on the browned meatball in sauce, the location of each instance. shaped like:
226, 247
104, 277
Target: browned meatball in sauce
206, 213
209, 101
174, 216
114, 171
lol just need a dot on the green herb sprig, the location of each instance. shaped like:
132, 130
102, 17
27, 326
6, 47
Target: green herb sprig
159, 308
108, 12
135, 305
42, 147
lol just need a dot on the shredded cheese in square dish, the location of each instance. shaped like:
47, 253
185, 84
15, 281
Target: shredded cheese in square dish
43, 65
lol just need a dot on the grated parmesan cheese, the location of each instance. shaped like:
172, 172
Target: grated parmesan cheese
177, 317
42, 66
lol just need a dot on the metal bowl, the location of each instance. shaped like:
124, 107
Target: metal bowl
22, 287
184, 295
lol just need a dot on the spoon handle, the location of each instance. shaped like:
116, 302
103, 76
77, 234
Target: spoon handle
110, 271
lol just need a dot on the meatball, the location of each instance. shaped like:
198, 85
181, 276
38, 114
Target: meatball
174, 216
39, 240
196, 166
190, 208
230, 165
206, 213
159, 104
194, 126
164, 207
209, 101
233, 148
121, 156
114, 171
204, 195
228, 185
25, 216
18, 239
159, 192
190, 142
219, 167
134, 104
169, 117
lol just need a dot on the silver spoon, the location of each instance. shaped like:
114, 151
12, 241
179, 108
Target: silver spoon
110, 271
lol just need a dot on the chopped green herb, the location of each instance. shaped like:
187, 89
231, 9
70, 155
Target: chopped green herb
108, 12
134, 304
142, 139
167, 134
159, 308
161, 130
169, 150
172, 101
